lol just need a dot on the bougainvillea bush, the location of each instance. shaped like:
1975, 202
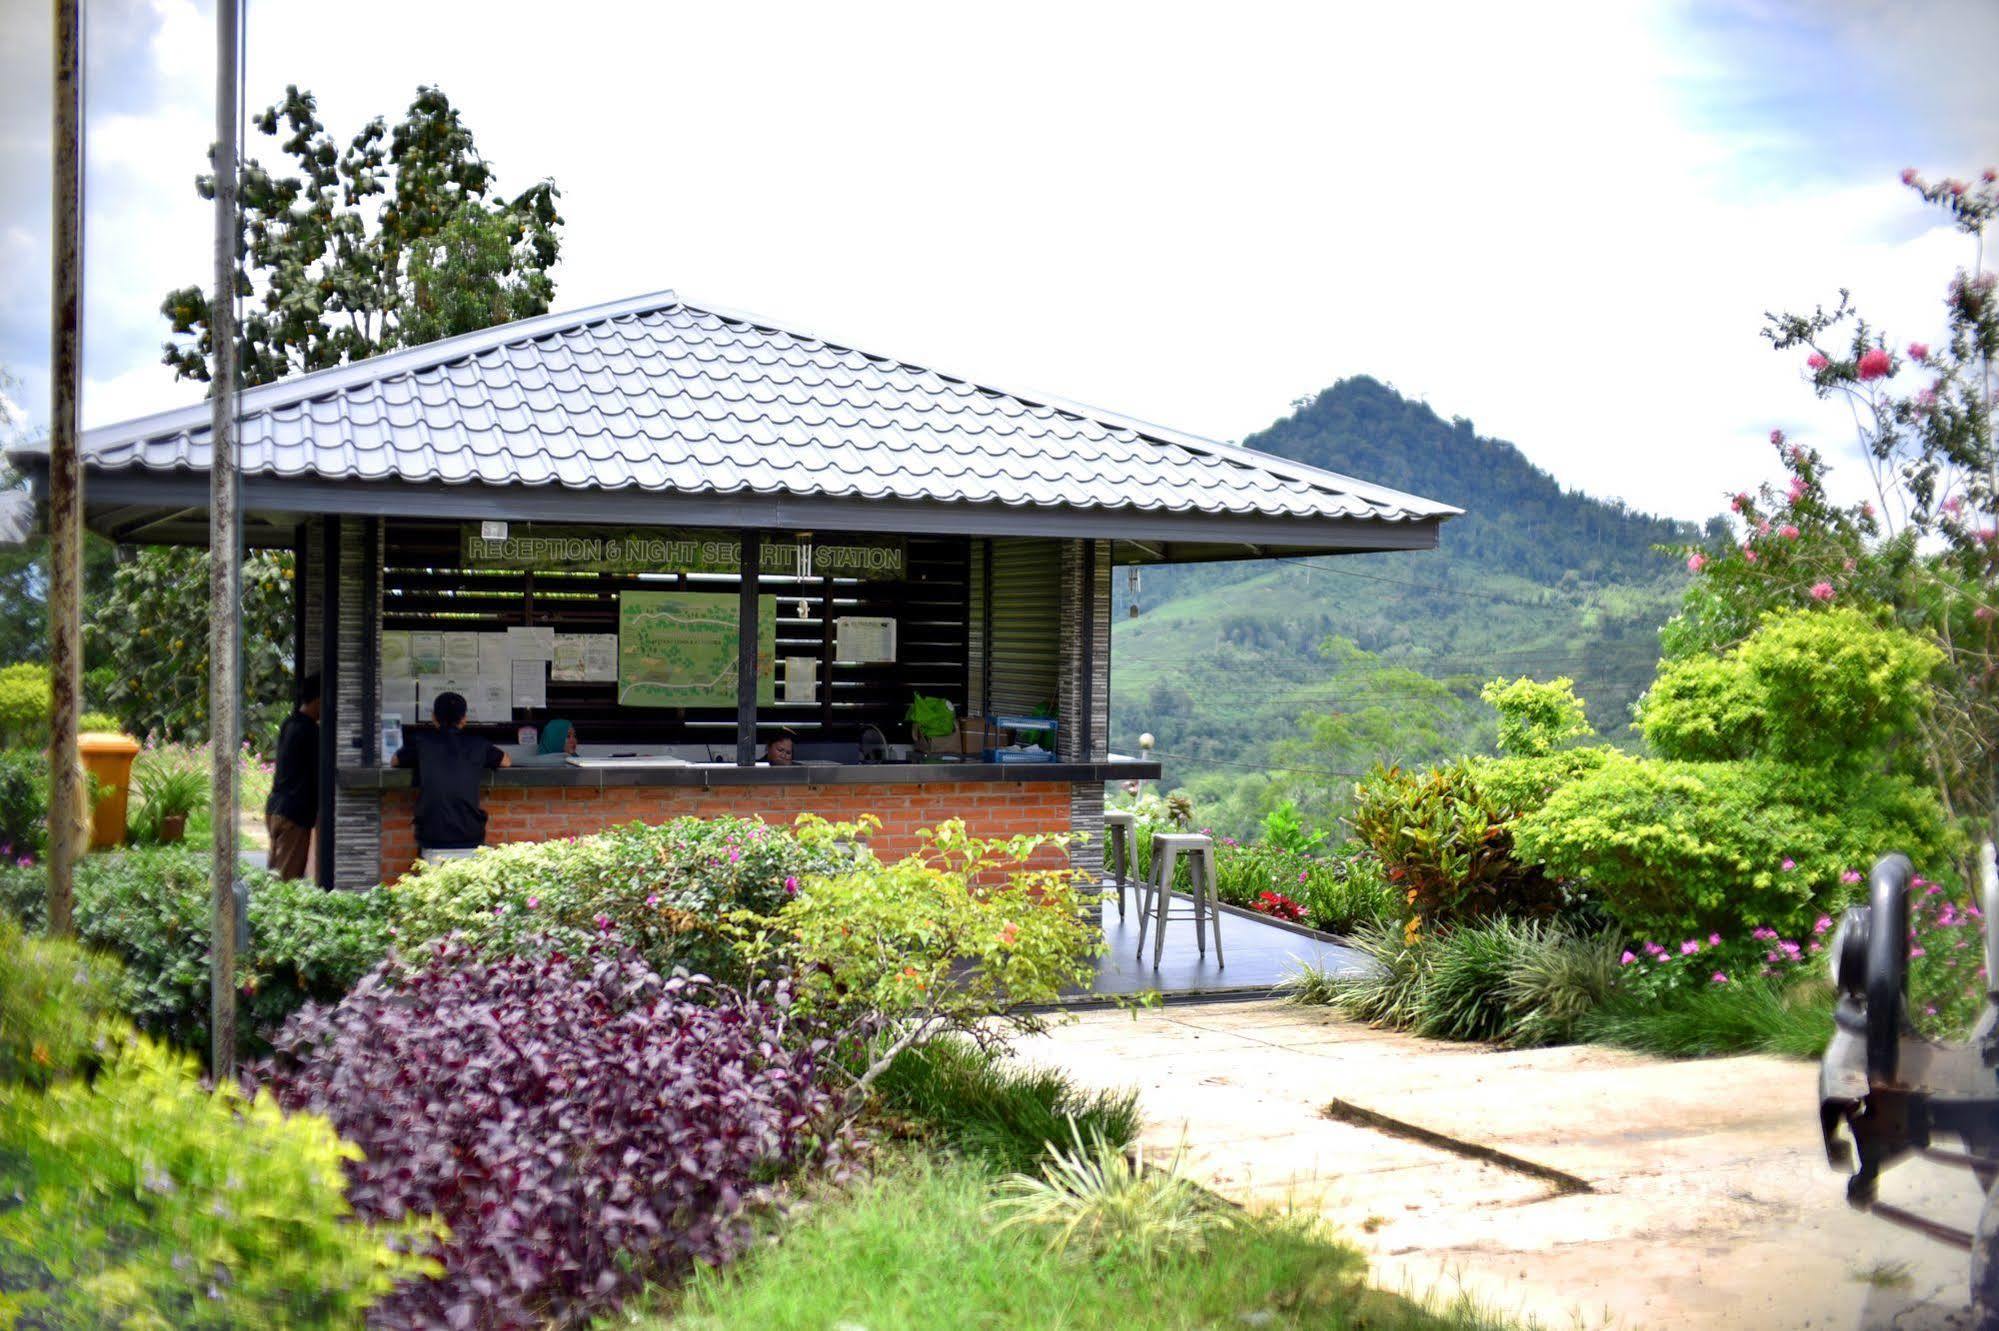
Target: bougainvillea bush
580, 1129
668, 891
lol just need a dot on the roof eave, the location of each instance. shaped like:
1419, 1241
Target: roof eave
188, 490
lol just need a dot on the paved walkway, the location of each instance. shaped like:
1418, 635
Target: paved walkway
1708, 1201
1257, 955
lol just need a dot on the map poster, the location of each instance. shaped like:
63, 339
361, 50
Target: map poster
678, 649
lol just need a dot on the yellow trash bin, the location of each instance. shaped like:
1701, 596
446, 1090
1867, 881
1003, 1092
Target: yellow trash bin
108, 758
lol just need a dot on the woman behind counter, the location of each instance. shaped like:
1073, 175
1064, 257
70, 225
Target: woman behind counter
557, 737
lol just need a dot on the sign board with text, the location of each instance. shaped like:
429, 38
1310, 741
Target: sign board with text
677, 550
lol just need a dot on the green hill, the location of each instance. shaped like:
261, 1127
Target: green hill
1224, 665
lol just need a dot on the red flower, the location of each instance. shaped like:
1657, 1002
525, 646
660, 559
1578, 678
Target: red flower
1919, 351
1788, 532
1908, 175
1279, 906
1816, 361
1875, 364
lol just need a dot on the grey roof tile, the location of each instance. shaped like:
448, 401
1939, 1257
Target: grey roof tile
663, 395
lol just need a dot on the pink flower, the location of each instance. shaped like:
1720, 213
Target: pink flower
1763, 527
1788, 532
652, 898
1875, 364
1796, 489
1816, 361
1908, 175
791, 886
1849, 876
533, 902
1983, 614
1989, 174
1627, 958
1953, 505
1749, 554
1821, 591
1740, 501
1919, 351
1915, 952
1956, 187
1777, 438
1304, 876
1696, 562
1926, 399
1717, 978
1866, 508
1691, 946
1788, 864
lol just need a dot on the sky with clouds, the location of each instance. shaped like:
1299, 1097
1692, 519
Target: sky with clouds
1563, 221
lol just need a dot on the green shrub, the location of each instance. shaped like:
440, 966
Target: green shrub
669, 891
1513, 982
1820, 688
1006, 1116
1677, 849
58, 1009
140, 1199
100, 723
1335, 892
1753, 1015
1703, 709
963, 938
1536, 719
25, 703
149, 909
1447, 845
170, 780
24, 804
1525, 784
1284, 829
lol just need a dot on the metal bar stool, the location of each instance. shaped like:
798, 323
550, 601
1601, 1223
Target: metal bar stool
1118, 824
1168, 850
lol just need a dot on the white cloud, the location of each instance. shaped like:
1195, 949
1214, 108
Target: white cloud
1532, 217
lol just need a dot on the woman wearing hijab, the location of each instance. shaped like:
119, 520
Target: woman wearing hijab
557, 737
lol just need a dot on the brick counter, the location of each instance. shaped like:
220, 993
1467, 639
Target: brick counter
544, 813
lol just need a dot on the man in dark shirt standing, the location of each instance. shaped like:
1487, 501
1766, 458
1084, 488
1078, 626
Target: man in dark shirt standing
293, 807
449, 765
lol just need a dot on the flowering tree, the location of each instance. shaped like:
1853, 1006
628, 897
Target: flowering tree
1924, 549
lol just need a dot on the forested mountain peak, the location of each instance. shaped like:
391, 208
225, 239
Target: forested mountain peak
1517, 516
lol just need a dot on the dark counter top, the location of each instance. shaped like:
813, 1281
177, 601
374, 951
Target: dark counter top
808, 774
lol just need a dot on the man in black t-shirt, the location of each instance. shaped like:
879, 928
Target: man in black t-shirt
293, 806
449, 764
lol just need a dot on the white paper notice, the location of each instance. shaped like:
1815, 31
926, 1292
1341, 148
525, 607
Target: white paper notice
399, 695
600, 657
395, 654
569, 658
493, 702
494, 660
531, 644
461, 655
531, 684
426, 654
864, 638
801, 679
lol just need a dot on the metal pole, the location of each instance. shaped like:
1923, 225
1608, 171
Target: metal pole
746, 649
66, 468
223, 581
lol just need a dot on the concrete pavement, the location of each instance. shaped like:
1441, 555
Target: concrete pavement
1615, 1189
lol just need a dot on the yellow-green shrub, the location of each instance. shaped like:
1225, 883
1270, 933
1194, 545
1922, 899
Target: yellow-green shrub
141, 1200
1677, 850
58, 1008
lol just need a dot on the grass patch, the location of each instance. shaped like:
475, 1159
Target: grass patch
1003, 1115
1748, 1016
916, 1248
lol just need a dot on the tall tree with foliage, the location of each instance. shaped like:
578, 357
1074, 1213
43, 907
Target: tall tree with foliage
392, 241
1925, 549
